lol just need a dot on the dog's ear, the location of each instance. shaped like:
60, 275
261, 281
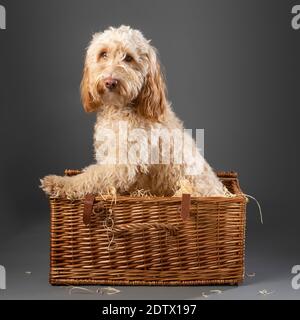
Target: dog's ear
86, 97
152, 102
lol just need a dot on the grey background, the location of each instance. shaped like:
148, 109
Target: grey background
232, 68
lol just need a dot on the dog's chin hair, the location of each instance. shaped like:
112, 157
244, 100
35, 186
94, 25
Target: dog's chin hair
113, 99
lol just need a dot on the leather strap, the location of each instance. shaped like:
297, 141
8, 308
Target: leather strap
185, 206
88, 208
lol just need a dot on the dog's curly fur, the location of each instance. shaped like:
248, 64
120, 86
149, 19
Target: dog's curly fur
139, 99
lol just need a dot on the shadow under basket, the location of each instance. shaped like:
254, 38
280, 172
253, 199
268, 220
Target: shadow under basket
149, 240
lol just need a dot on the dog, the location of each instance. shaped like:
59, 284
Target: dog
123, 83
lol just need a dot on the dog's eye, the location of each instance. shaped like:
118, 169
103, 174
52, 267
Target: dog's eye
128, 58
103, 55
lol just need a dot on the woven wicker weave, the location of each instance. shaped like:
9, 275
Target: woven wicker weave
144, 241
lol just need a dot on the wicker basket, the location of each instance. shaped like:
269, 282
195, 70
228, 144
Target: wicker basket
149, 240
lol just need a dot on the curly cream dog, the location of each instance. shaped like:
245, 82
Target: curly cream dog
122, 82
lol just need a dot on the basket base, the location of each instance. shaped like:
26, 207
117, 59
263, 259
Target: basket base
75, 282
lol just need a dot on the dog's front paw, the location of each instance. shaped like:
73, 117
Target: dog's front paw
53, 185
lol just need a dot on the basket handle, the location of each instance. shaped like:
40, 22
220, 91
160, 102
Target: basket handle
184, 210
133, 227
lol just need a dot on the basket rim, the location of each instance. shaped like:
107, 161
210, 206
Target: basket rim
241, 197
238, 195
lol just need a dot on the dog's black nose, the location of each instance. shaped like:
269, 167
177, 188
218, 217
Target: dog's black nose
110, 83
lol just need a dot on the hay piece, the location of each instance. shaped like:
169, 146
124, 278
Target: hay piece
141, 193
184, 186
108, 290
80, 290
216, 291
227, 193
258, 205
251, 275
265, 292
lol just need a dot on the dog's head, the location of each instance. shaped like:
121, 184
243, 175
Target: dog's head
122, 69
